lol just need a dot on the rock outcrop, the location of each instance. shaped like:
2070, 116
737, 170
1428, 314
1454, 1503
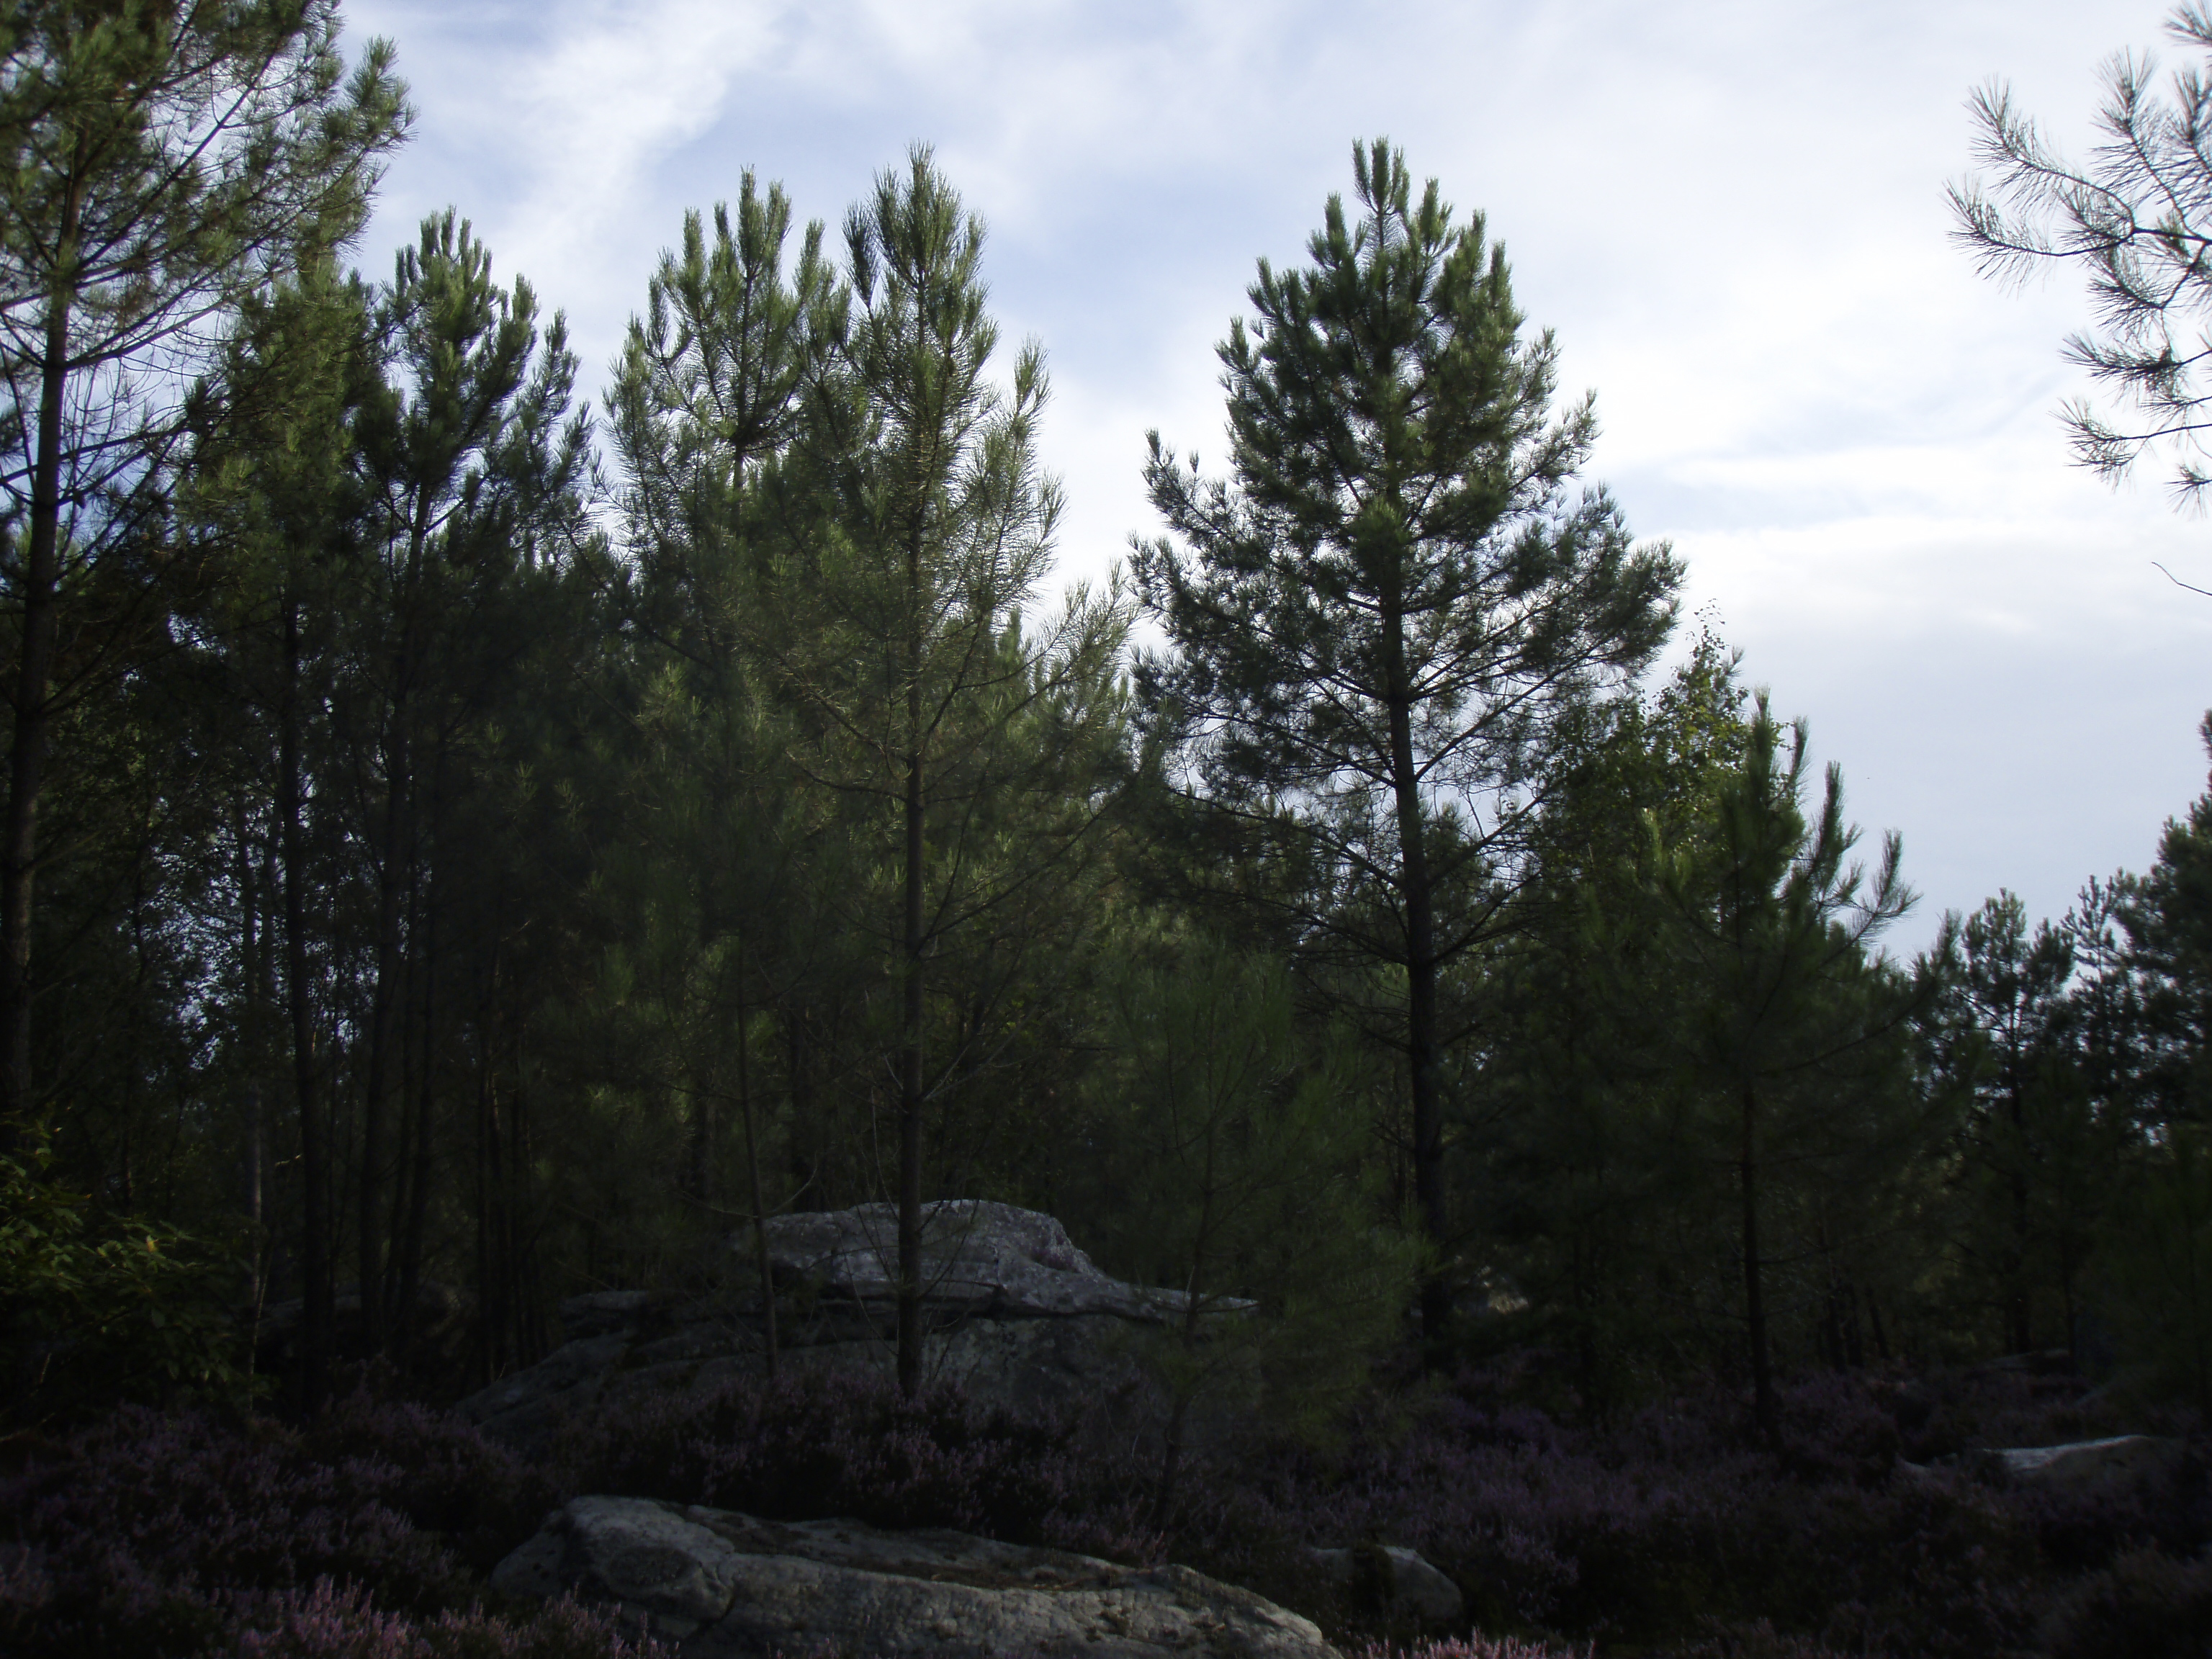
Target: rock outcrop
719, 1585
2122, 1462
1393, 1581
1019, 1317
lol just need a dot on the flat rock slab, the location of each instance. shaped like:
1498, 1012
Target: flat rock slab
721, 1585
2121, 1463
2124, 1460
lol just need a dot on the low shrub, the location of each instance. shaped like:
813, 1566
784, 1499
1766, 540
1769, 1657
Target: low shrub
328, 1622
438, 1471
1671, 1527
97, 1308
821, 1447
1474, 1647
2145, 1602
155, 1534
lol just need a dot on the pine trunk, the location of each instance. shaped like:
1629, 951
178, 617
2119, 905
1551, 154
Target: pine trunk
19, 837
315, 1288
1420, 899
1754, 1300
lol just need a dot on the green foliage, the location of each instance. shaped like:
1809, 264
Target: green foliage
95, 1309
1788, 1033
1574, 1148
2160, 1267
2039, 1159
2168, 914
1380, 622
447, 893
161, 162
2133, 220
1235, 1152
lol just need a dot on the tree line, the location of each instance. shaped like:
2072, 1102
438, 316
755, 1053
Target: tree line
453, 840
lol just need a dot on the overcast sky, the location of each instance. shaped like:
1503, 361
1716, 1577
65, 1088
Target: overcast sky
1731, 214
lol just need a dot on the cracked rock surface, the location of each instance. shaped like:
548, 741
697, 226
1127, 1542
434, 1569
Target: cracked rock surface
719, 1585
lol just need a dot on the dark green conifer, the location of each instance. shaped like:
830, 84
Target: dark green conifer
1378, 620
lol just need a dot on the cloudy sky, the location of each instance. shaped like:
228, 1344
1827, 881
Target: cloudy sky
1731, 213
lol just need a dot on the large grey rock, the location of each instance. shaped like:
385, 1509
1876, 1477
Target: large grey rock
1019, 1317
721, 1585
977, 1256
2123, 1460
1394, 1580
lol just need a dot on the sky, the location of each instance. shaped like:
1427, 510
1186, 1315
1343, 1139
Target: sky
1731, 215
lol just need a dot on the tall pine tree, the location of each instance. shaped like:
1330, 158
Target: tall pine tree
1378, 620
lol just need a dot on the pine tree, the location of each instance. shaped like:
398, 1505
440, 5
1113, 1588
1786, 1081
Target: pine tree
965, 737
270, 482
473, 471
708, 402
1783, 1023
2030, 1117
1236, 1176
160, 160
1378, 622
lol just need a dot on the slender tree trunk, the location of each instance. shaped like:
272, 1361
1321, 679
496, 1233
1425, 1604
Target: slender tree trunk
392, 857
1754, 1302
315, 1288
418, 1189
1874, 1323
706, 1125
19, 836
252, 948
909, 1193
1171, 1460
1199, 1277
2020, 1331
753, 1170
489, 1311
808, 1161
381, 1031
495, 1286
1419, 900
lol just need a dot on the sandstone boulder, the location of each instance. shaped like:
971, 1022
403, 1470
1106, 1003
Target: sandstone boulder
2120, 1463
2123, 1460
719, 1585
977, 1257
1019, 1317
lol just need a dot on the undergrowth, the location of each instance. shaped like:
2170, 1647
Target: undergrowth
1669, 1529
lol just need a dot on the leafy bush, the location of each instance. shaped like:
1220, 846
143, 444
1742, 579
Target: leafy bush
96, 1308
